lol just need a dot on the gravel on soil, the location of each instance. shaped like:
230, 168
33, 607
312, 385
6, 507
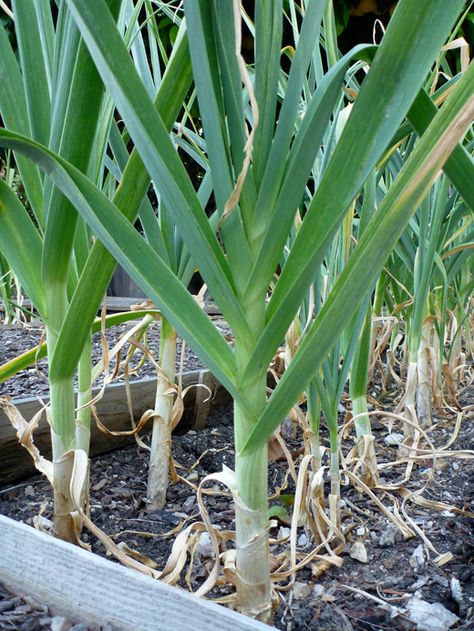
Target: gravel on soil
399, 580
33, 381
397, 569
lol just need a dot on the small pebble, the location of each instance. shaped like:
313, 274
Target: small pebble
389, 563
417, 559
318, 591
388, 536
204, 547
430, 616
441, 580
359, 552
42, 522
283, 533
58, 623
301, 590
456, 590
393, 440
303, 540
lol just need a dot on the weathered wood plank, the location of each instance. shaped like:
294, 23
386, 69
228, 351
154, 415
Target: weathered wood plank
120, 303
122, 284
87, 588
205, 393
16, 463
123, 303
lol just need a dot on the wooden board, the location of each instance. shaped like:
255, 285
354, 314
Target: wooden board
122, 285
87, 588
123, 303
117, 303
16, 463
204, 398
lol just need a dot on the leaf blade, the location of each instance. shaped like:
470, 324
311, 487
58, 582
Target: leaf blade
379, 238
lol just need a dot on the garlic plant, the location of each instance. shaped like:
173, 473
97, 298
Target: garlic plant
258, 182
55, 95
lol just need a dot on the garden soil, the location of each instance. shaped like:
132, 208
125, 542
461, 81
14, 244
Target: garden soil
398, 585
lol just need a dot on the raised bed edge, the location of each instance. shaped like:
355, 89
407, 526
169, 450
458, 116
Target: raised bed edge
16, 463
84, 587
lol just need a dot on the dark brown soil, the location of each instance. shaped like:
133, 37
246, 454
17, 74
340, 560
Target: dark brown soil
21, 613
398, 572
15, 340
118, 484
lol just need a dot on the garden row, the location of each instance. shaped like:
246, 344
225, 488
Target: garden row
330, 216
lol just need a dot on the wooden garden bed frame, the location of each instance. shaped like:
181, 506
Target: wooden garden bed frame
81, 585
84, 587
121, 303
112, 410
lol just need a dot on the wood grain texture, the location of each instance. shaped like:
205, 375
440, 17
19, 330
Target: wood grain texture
121, 303
16, 463
87, 588
205, 393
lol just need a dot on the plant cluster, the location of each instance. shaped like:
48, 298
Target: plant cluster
333, 214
